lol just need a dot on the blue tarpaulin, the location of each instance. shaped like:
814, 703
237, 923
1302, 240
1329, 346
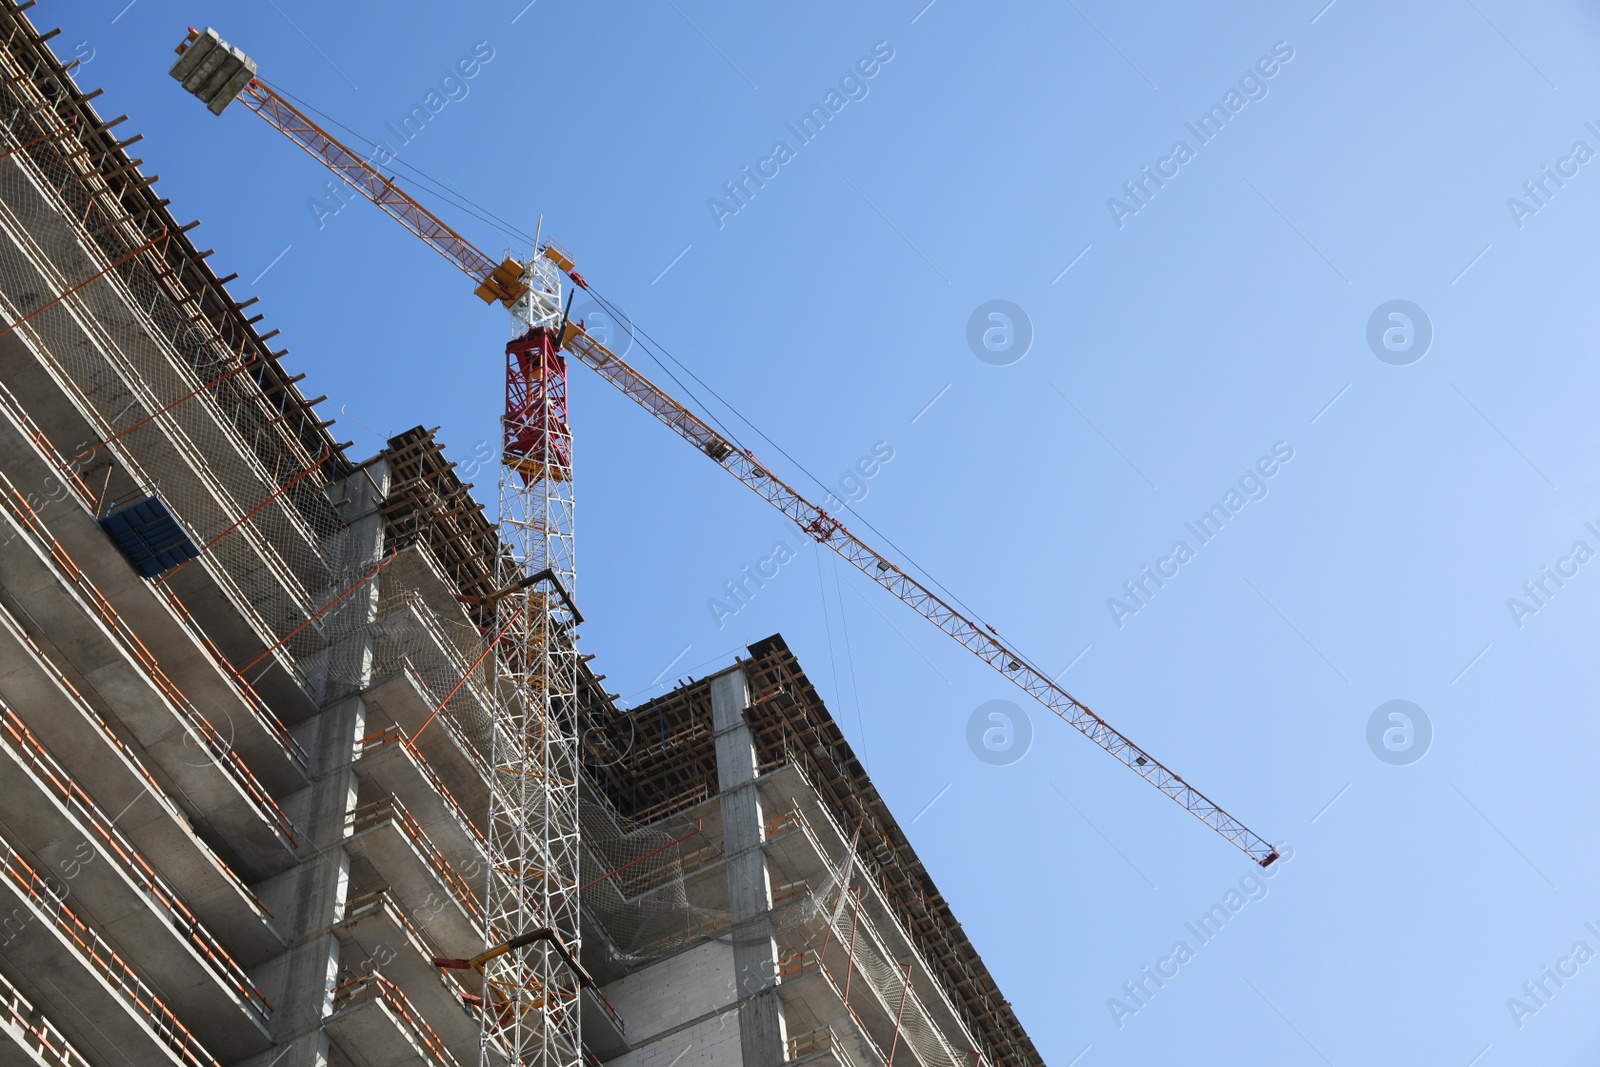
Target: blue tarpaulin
149, 536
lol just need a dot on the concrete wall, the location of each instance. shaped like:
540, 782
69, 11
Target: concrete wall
710, 1043
675, 991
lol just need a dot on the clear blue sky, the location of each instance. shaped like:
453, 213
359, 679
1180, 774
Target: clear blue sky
1221, 318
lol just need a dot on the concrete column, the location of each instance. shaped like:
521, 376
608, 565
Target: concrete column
762, 1035
310, 899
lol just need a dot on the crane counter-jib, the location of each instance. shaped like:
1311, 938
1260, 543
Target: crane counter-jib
218, 73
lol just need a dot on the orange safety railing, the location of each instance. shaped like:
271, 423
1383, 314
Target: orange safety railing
470, 750
393, 735
247, 692
381, 901
43, 1039
860, 922
672, 805
465, 672
16, 736
374, 986
390, 808
105, 961
74, 482
703, 856
221, 751
144, 772
776, 823
790, 892
688, 863
861, 1027
607, 1007
408, 822
797, 963
42, 441
70, 478
817, 1041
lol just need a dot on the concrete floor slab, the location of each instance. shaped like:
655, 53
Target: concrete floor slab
61, 830
375, 1028
413, 878
83, 986
214, 780
236, 712
377, 935
82, 744
399, 699
388, 766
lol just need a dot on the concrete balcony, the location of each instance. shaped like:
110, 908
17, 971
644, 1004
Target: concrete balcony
401, 698
377, 935
89, 751
228, 589
411, 637
438, 899
871, 987
821, 840
829, 1030
189, 657
824, 1047
28, 1039
387, 765
603, 1031
874, 993
50, 817
101, 1005
100, 648
374, 1025
804, 846
415, 576
277, 676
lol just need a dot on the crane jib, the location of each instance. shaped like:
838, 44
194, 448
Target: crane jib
829, 531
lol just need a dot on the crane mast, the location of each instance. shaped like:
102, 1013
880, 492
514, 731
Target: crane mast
531, 1003
533, 806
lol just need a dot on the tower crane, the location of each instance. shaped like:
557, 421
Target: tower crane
533, 808
531, 986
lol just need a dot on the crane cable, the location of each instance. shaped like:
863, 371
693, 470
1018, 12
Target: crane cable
622, 317
471, 207
651, 341
451, 196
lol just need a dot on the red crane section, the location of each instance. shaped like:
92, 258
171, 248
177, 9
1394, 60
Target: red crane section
538, 441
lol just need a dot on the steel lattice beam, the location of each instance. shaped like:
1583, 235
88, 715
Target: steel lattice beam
829, 531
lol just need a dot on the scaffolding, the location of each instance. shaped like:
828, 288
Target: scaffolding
174, 388
660, 758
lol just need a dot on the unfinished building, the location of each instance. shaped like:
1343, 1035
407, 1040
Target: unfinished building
244, 701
